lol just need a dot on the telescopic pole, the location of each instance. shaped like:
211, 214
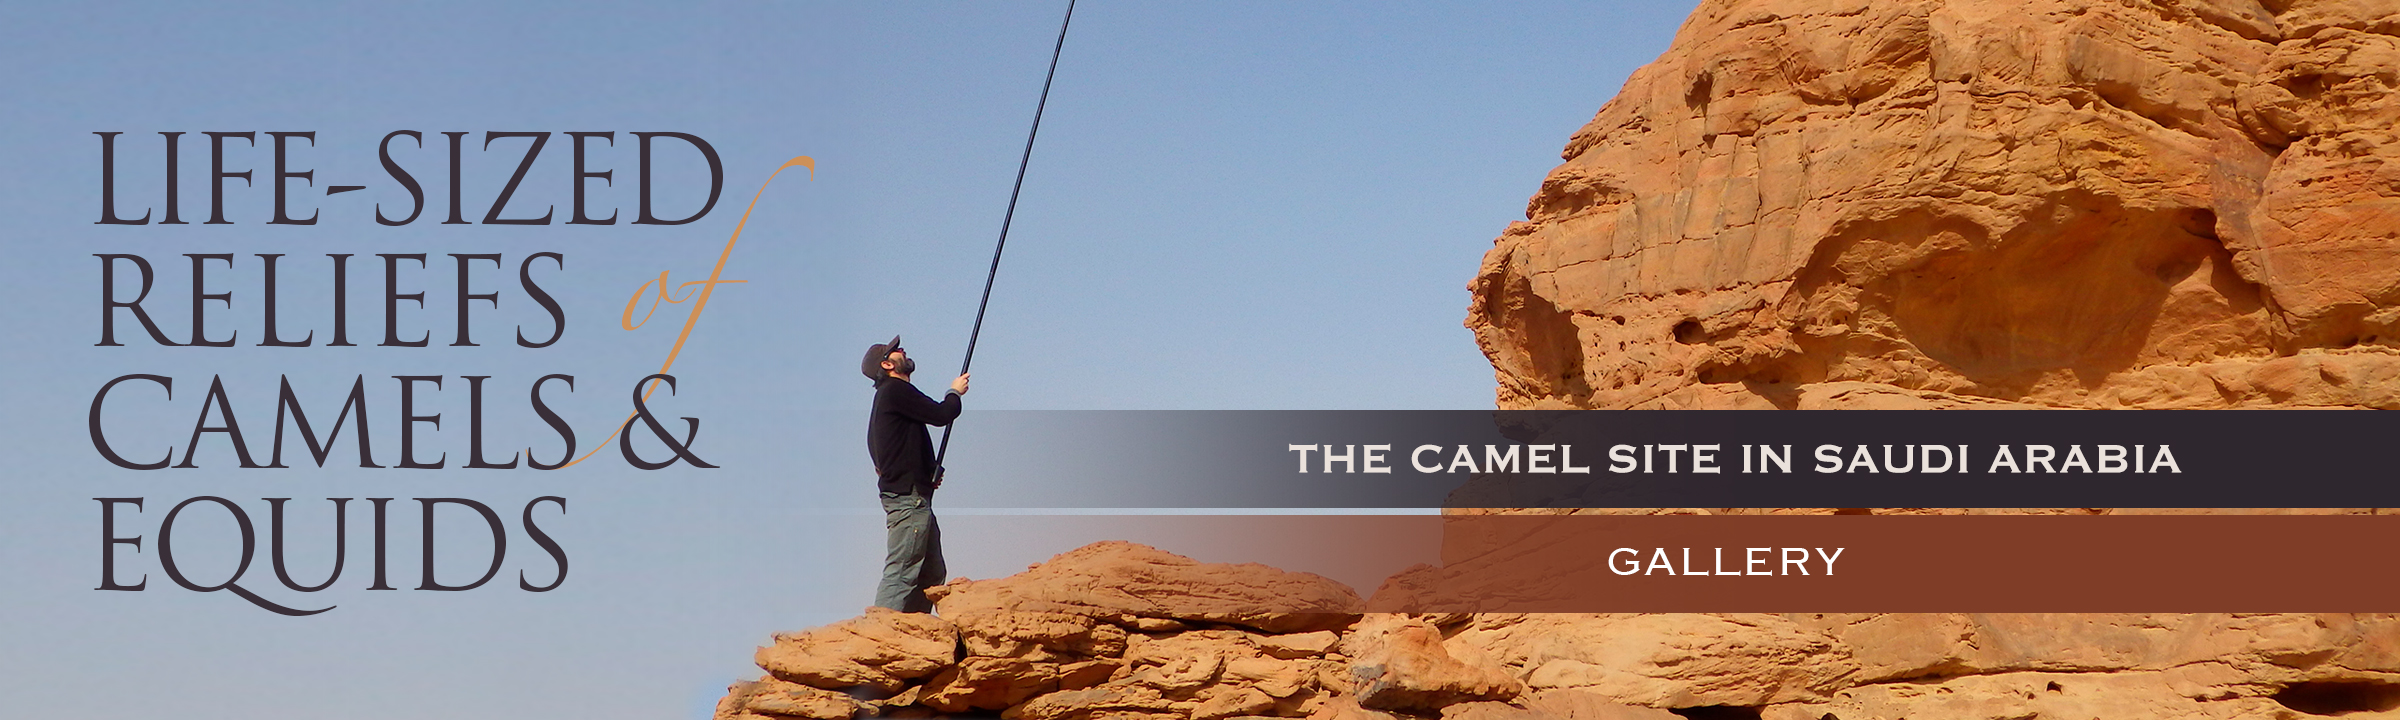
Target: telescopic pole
1011, 216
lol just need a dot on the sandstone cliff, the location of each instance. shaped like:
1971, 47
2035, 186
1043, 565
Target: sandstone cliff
1116, 630
1972, 203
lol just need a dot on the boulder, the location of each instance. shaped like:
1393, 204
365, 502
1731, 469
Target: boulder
881, 650
1041, 635
1113, 700
988, 683
1398, 663
1300, 645
771, 698
1129, 581
1668, 660
1556, 705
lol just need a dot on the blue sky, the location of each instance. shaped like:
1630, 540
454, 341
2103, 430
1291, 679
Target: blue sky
1234, 205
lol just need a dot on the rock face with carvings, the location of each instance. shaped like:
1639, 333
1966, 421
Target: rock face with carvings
1117, 630
1972, 203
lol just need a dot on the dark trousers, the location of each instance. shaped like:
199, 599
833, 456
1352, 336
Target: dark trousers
912, 559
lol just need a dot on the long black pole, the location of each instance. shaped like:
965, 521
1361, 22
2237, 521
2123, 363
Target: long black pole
1011, 216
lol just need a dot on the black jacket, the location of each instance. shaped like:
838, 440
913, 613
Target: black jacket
897, 439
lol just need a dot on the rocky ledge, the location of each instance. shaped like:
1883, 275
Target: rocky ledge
1119, 630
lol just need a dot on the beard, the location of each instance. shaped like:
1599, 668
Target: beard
906, 366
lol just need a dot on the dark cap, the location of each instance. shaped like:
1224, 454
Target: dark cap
876, 354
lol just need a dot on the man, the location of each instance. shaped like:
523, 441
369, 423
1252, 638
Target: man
906, 476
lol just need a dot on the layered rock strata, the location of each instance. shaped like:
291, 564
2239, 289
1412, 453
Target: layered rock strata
1986, 203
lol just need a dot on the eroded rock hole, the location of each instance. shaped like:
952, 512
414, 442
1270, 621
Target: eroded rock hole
1689, 332
2306, 87
1703, 89
1718, 712
2340, 697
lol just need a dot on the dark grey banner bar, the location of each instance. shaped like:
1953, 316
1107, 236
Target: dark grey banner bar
1427, 459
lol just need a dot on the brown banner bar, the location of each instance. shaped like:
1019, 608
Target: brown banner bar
1982, 563
1781, 564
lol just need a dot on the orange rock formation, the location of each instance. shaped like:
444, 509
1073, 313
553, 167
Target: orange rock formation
1942, 203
